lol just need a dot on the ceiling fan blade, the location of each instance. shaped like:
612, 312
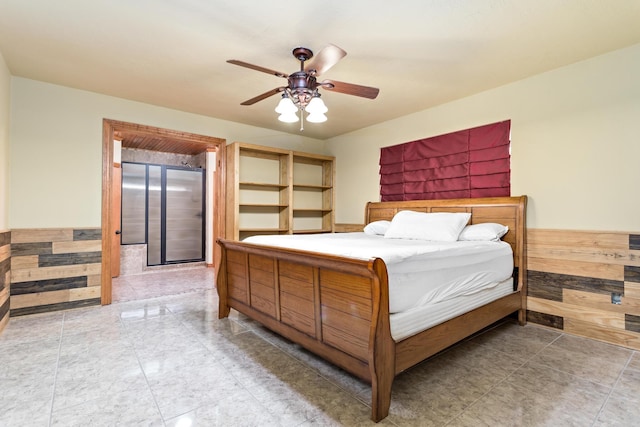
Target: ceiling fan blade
263, 96
351, 89
325, 59
257, 68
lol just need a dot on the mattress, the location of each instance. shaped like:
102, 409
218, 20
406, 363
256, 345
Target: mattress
418, 319
421, 273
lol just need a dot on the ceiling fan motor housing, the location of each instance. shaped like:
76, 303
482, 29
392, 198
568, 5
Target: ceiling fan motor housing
302, 86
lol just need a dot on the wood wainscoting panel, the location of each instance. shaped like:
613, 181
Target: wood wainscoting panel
5, 277
54, 297
52, 273
631, 273
94, 280
598, 270
586, 283
348, 228
570, 311
632, 323
603, 333
55, 269
76, 246
41, 235
602, 302
5, 246
632, 290
22, 262
577, 239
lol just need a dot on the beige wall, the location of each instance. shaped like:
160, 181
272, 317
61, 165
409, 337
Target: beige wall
575, 147
56, 149
575, 144
5, 101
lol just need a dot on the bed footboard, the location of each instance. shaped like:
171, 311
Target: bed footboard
336, 307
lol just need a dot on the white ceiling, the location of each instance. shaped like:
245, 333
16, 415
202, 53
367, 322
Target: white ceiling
420, 53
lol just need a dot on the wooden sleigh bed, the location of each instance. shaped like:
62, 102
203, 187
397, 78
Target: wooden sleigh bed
338, 307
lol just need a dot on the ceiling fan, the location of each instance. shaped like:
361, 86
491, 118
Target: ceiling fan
301, 91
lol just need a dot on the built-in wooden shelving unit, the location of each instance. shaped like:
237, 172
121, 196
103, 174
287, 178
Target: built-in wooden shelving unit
276, 191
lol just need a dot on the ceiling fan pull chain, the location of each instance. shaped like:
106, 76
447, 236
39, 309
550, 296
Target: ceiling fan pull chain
301, 120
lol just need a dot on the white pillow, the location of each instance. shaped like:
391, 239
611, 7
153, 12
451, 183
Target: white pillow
436, 226
486, 231
377, 227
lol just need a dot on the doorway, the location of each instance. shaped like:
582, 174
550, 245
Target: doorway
143, 137
163, 209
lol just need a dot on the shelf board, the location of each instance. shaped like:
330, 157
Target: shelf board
258, 150
262, 205
311, 187
311, 210
263, 230
262, 185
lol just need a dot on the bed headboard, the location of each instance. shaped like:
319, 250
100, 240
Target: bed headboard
510, 211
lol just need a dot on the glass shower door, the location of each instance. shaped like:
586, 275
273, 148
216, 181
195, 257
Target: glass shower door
163, 207
154, 218
184, 215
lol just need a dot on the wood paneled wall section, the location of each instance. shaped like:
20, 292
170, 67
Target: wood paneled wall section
5, 277
572, 276
54, 269
348, 228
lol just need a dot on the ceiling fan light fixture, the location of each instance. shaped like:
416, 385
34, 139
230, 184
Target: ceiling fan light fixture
316, 118
316, 106
289, 117
301, 92
286, 106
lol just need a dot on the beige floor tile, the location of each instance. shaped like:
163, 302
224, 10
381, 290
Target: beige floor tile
508, 406
160, 356
593, 360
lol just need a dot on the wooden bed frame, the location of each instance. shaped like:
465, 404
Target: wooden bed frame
338, 308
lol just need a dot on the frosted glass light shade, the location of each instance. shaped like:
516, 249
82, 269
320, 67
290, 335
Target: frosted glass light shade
286, 106
316, 106
290, 117
316, 118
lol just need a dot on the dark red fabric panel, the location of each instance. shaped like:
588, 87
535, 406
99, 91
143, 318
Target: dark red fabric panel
462, 194
489, 154
438, 146
413, 188
498, 180
489, 192
388, 190
469, 163
487, 136
391, 154
451, 184
437, 162
392, 168
487, 168
392, 178
392, 198
439, 173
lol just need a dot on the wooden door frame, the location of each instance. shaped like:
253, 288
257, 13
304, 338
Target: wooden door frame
109, 127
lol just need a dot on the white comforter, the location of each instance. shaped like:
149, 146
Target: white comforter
420, 272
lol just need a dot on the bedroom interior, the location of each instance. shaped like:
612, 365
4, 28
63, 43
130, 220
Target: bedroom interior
564, 77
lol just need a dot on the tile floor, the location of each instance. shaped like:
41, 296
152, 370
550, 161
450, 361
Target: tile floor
164, 359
